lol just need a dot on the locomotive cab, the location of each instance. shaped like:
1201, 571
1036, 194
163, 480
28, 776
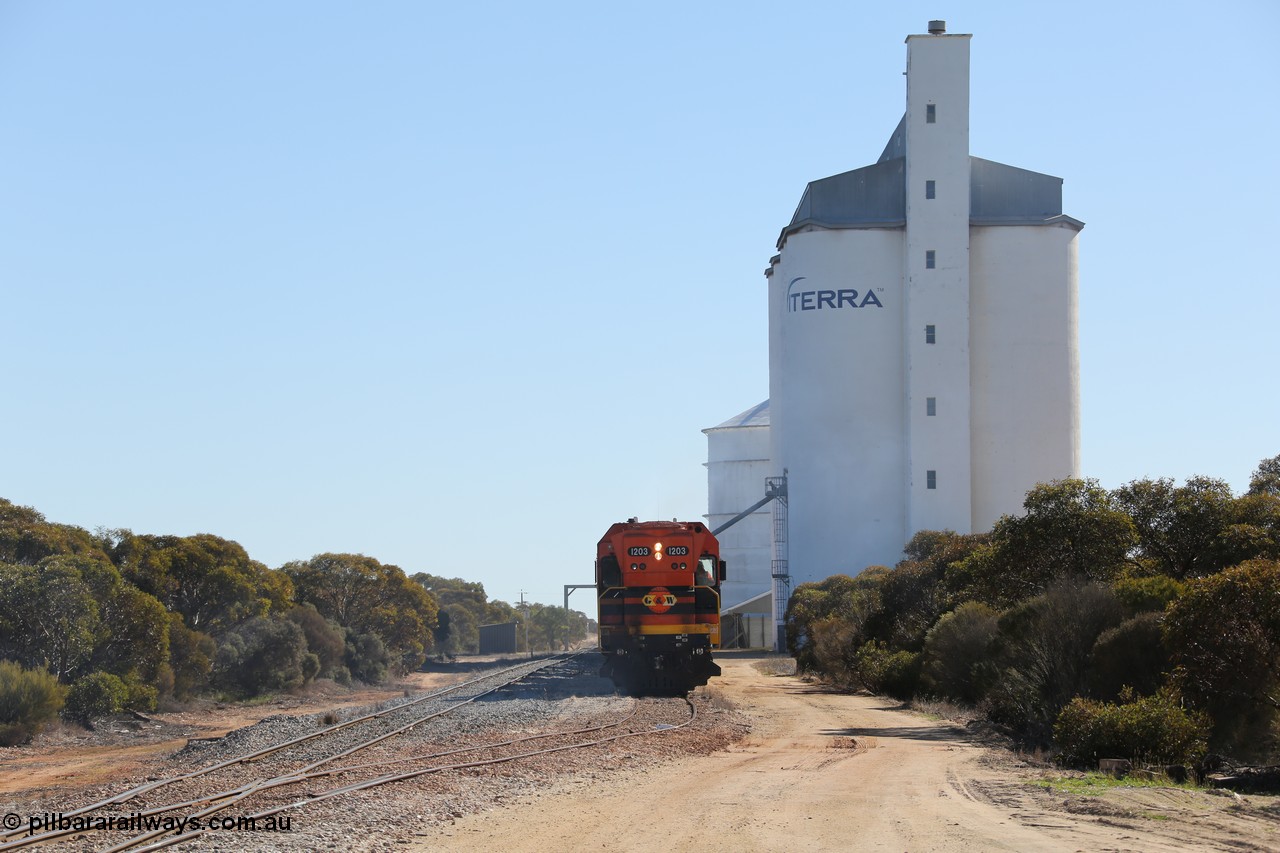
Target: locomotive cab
658, 588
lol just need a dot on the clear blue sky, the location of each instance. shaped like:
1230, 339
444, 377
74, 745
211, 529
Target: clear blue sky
457, 285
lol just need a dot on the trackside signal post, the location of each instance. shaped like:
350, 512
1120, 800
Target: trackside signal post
568, 590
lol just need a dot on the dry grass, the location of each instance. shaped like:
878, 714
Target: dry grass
940, 709
776, 665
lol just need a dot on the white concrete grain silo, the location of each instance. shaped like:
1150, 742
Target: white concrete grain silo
737, 465
923, 367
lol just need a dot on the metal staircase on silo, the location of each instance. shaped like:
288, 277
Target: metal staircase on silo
776, 489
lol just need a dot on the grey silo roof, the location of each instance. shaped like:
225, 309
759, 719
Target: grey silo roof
866, 197
757, 415
897, 144
875, 196
1007, 194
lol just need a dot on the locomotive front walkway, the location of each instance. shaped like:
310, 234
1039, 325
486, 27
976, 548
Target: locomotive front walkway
828, 771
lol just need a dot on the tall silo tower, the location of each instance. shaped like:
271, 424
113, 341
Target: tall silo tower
922, 336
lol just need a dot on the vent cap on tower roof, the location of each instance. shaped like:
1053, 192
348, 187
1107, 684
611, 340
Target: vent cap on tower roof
937, 28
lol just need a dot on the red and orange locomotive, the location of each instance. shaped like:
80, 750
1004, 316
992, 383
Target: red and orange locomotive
658, 586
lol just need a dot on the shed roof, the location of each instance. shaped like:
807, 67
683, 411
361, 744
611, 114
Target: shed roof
759, 603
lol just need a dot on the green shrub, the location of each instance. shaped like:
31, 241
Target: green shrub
1042, 652
1070, 529
367, 658
957, 652
325, 639
191, 656
1140, 595
140, 696
832, 642
1131, 654
882, 670
1224, 638
99, 694
29, 699
261, 655
1146, 730
827, 621
164, 680
912, 597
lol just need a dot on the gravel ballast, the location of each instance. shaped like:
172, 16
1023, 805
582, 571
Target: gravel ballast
557, 699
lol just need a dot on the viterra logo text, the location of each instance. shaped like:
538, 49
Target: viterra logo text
817, 300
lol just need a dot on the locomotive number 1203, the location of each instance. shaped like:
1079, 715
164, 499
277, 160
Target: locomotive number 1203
646, 551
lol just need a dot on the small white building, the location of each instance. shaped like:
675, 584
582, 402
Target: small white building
923, 364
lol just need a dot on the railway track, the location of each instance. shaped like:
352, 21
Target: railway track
344, 735
266, 784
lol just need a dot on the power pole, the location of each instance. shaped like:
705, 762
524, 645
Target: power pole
525, 609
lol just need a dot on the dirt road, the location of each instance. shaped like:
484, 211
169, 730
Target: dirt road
824, 771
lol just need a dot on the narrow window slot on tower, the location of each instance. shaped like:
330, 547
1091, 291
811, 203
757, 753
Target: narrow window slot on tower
931, 479
930, 114
929, 336
931, 406
930, 259
930, 190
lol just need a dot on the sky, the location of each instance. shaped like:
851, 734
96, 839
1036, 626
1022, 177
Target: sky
458, 285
